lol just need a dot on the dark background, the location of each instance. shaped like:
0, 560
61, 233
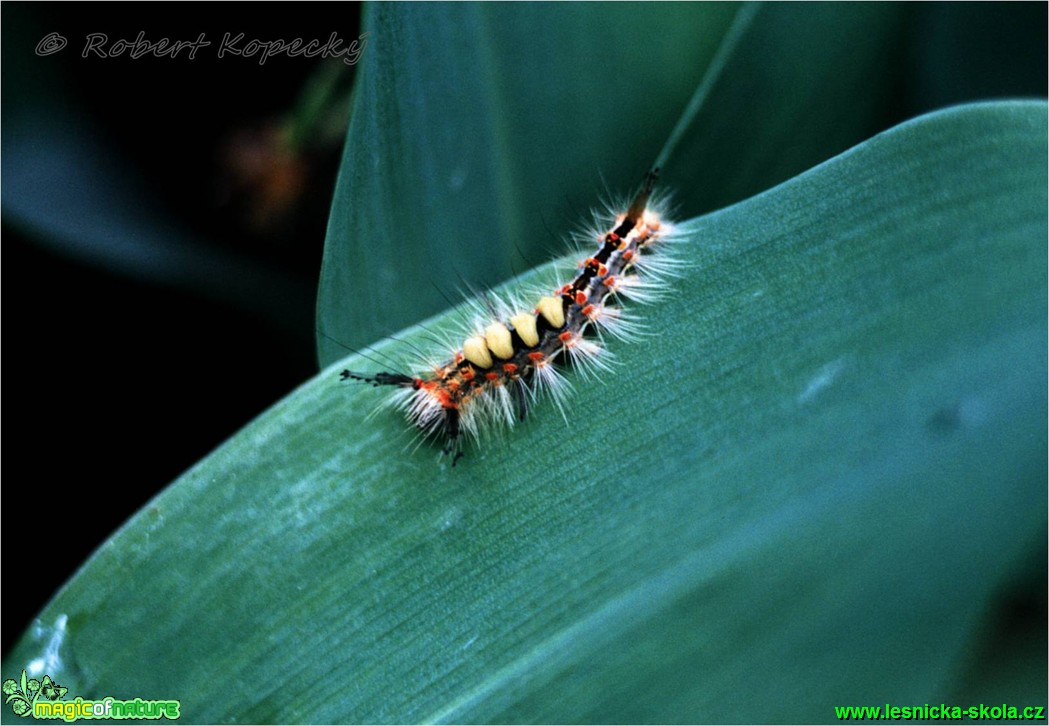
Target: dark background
163, 221
163, 245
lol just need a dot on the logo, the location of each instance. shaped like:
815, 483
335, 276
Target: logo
45, 699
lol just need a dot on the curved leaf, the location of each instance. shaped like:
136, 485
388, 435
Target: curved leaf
804, 490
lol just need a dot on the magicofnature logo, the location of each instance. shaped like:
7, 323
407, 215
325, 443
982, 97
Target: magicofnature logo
45, 699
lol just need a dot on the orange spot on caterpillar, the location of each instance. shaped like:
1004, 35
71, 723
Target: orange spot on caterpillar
491, 376
610, 281
580, 298
444, 398
565, 336
536, 356
628, 255
588, 310
596, 265
467, 373
510, 368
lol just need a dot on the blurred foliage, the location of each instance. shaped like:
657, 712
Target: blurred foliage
475, 158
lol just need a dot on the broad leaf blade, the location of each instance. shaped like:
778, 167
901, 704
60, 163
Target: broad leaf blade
803, 490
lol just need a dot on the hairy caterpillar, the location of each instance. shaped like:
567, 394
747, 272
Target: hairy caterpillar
509, 362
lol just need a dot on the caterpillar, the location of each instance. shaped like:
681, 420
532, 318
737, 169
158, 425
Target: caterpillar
511, 361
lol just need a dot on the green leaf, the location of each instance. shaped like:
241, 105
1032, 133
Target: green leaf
479, 132
805, 489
